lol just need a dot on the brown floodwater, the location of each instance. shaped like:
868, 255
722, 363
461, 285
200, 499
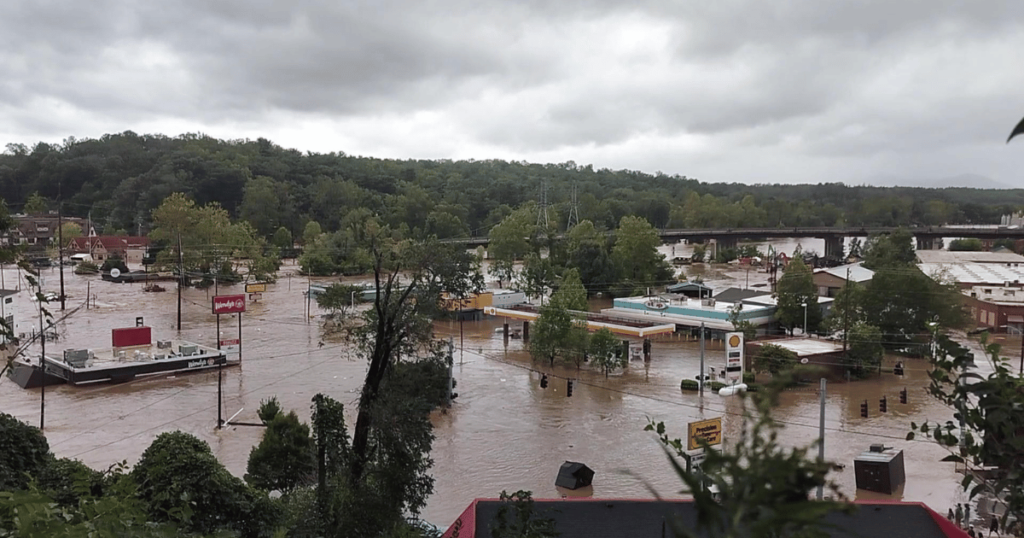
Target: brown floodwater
503, 433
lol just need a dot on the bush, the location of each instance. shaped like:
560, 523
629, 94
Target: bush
66, 481
715, 385
24, 453
284, 458
748, 377
689, 384
86, 268
114, 262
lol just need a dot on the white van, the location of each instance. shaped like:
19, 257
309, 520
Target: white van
79, 258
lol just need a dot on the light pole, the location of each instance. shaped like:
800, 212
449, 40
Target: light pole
805, 318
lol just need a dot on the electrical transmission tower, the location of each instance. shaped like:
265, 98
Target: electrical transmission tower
542, 209
574, 214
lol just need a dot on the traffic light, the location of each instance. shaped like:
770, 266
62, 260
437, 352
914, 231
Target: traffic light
568, 388
544, 381
864, 409
903, 395
882, 404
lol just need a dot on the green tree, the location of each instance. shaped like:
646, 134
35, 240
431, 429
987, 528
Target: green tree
338, 298
283, 239
311, 232
118, 512
206, 234
774, 359
181, 482
284, 458
971, 244
865, 349
902, 300
636, 255
571, 294
36, 204
510, 240
847, 308
317, 258
266, 204
550, 332
387, 470
888, 250
606, 352
794, 291
537, 276
586, 250
761, 488
70, 231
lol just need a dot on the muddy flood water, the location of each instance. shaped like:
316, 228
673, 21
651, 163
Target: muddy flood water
504, 431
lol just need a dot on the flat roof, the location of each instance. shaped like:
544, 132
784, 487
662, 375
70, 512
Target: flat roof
806, 346
946, 256
976, 273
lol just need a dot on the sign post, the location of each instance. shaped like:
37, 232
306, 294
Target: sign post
256, 290
734, 357
230, 304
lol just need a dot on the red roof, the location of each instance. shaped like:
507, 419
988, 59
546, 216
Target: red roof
898, 518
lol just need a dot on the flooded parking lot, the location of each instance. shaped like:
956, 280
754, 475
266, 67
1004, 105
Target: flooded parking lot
504, 432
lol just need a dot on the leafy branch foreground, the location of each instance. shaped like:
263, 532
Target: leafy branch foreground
754, 486
986, 433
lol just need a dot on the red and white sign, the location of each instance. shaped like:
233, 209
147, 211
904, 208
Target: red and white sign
230, 347
228, 304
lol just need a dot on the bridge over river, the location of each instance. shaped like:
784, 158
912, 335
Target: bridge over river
927, 236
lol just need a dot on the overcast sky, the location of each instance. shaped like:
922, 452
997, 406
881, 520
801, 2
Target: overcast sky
749, 91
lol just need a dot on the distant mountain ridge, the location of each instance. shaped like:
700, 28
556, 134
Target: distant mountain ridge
967, 181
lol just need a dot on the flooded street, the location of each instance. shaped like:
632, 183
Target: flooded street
504, 431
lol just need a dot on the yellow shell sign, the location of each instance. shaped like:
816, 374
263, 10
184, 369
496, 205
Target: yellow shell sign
734, 341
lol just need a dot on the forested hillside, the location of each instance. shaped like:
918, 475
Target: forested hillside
121, 178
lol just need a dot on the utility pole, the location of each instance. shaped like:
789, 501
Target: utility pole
451, 362
60, 248
701, 385
42, 363
846, 317
181, 279
821, 436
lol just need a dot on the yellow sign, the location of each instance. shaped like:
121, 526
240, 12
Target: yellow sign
709, 430
256, 288
734, 341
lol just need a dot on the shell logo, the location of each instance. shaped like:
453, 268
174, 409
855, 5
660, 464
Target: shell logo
734, 341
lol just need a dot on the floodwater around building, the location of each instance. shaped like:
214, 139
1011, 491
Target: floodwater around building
504, 432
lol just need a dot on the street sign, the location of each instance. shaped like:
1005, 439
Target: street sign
709, 430
696, 460
228, 304
230, 346
255, 297
258, 287
734, 356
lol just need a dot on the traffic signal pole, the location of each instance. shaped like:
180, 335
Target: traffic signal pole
821, 436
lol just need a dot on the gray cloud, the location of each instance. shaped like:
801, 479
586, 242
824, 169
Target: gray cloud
726, 91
